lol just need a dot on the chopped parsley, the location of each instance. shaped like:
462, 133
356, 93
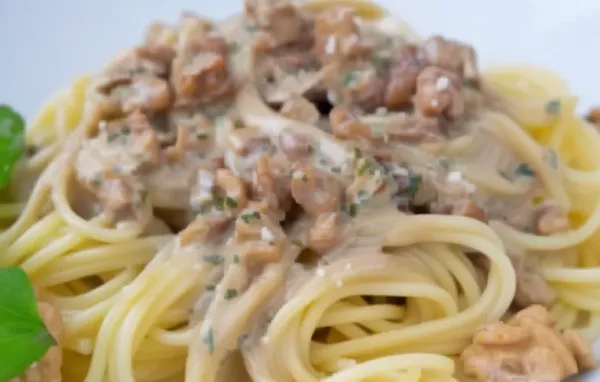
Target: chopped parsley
202, 136
231, 294
252, 28
363, 195
236, 259
553, 107
351, 78
524, 170
231, 203
220, 203
443, 163
209, 340
352, 209
210, 287
336, 170
247, 218
364, 166
414, 184
357, 153
214, 259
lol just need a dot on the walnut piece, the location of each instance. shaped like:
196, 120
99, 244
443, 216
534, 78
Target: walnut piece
526, 347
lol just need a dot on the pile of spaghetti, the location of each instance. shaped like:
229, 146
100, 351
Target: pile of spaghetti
311, 192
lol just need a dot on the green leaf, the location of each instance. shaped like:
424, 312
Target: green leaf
12, 141
414, 183
524, 170
24, 338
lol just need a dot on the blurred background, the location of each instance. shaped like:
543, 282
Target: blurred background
45, 43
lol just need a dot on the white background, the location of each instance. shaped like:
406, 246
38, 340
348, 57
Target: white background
44, 43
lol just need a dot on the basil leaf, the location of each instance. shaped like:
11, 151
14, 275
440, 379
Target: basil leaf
24, 338
12, 141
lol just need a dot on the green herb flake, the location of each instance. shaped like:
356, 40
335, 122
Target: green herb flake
12, 142
230, 294
336, 170
352, 209
236, 259
214, 259
24, 338
524, 170
414, 184
553, 107
209, 340
363, 195
364, 166
444, 163
252, 28
202, 136
247, 218
357, 153
210, 287
351, 78
220, 203
231, 203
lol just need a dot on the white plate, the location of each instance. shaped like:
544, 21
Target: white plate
46, 43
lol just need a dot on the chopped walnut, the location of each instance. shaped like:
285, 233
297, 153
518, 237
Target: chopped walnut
294, 145
594, 116
246, 139
196, 137
271, 182
532, 289
203, 229
300, 109
438, 93
418, 128
585, 357
326, 233
47, 369
152, 59
316, 191
337, 36
119, 94
201, 71
346, 127
451, 55
550, 220
526, 347
232, 190
469, 208
360, 86
282, 21
250, 221
403, 78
